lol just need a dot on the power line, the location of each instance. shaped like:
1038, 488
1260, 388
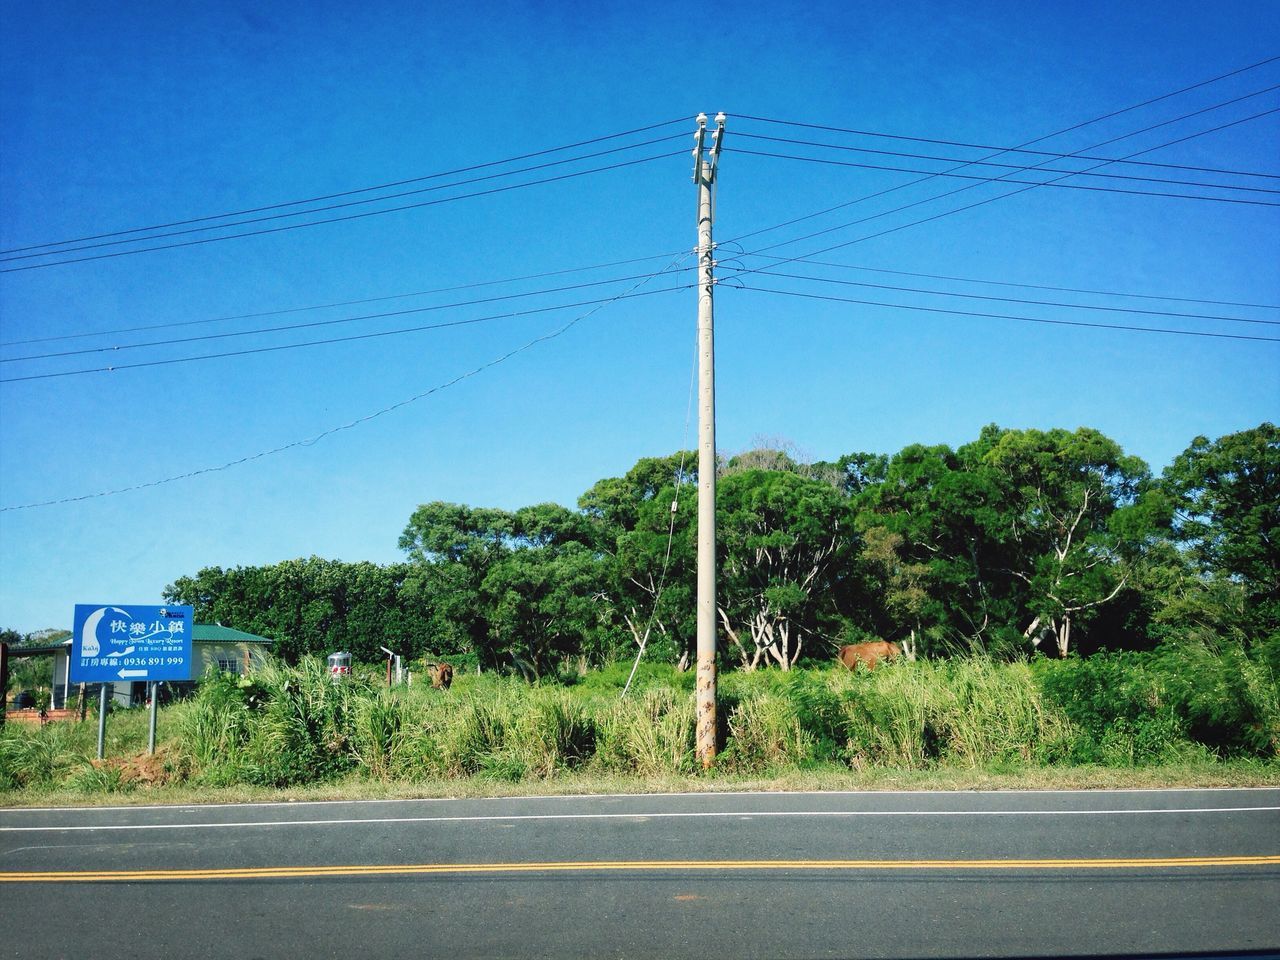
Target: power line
337, 303
1005, 316
984, 146
348, 204
671, 525
978, 203
1010, 283
1006, 166
318, 323
1037, 303
348, 193
352, 216
354, 337
310, 441
1027, 143
1003, 179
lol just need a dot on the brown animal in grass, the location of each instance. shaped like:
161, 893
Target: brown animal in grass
868, 654
441, 675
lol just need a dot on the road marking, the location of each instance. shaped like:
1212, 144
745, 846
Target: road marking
709, 794
638, 816
418, 869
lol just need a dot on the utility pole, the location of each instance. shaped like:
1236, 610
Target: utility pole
704, 175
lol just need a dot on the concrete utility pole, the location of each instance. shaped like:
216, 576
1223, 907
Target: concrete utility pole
704, 175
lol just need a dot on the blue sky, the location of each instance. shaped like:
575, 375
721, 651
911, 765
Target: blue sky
121, 115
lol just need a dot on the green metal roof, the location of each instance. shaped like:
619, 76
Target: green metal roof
216, 633
200, 633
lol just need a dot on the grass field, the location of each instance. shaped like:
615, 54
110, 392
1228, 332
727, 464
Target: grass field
1177, 718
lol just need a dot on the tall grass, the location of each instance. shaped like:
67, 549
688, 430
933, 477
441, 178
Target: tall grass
295, 725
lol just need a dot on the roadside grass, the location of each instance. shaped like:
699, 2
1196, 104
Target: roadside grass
1224, 774
1180, 718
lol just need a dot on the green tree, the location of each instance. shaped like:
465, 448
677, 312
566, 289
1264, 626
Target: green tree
1226, 500
940, 518
1062, 490
784, 542
648, 551
543, 605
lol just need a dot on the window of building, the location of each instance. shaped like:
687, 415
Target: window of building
229, 664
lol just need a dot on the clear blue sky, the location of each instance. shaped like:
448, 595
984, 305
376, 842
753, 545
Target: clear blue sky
122, 115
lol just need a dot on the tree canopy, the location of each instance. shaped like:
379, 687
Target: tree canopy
1017, 543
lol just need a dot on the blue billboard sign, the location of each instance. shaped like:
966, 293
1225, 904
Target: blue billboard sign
113, 644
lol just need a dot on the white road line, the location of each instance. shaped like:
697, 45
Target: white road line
652, 815
1079, 791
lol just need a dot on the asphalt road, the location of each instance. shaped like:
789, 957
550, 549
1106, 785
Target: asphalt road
1117, 873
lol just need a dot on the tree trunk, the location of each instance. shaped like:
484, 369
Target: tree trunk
909, 644
1064, 636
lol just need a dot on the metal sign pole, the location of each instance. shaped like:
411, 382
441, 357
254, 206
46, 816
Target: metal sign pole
155, 699
102, 718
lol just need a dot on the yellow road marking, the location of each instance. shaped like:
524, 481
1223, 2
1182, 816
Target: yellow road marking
417, 869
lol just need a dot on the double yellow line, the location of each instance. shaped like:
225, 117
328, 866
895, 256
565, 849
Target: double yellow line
623, 866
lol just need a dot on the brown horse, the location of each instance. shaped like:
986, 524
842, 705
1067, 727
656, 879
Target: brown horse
441, 675
868, 654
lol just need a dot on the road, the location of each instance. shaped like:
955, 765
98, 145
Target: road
701, 875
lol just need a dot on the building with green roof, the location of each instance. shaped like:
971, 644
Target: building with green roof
213, 646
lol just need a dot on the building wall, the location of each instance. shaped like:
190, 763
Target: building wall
246, 656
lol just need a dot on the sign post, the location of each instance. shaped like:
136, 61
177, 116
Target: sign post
151, 725
102, 718
128, 643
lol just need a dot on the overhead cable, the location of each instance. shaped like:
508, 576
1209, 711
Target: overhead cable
1010, 283
985, 146
257, 331
350, 425
345, 205
348, 217
348, 193
1005, 316
1037, 303
316, 343
1006, 166
337, 303
1165, 194
1027, 143
970, 206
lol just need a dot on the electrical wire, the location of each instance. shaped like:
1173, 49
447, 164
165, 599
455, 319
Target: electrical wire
348, 217
671, 525
1005, 316
1007, 166
359, 421
347, 193
318, 323
1027, 143
1036, 303
1004, 179
1009, 283
336, 303
985, 146
348, 204
978, 203
331, 340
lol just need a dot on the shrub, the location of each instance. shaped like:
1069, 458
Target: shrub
766, 730
35, 757
647, 734
554, 732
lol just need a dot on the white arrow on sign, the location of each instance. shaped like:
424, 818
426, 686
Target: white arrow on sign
132, 673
